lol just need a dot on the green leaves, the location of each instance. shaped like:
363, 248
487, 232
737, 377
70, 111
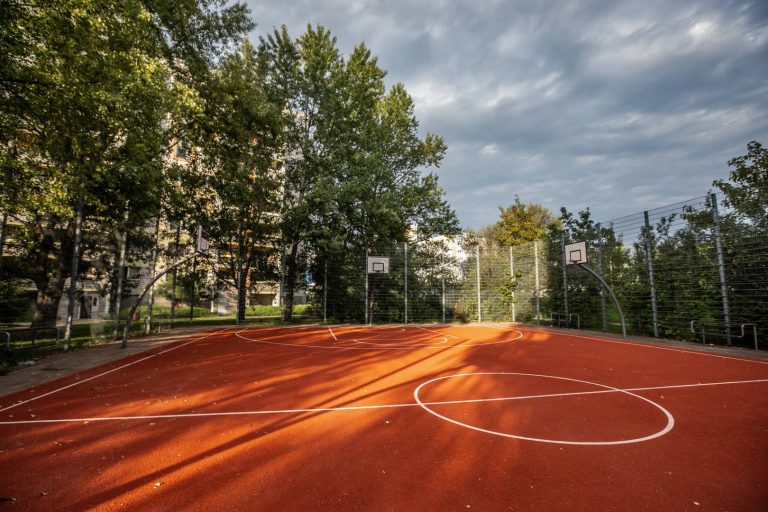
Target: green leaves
747, 191
92, 93
521, 223
352, 154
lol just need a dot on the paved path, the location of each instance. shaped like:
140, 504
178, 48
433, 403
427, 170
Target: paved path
61, 364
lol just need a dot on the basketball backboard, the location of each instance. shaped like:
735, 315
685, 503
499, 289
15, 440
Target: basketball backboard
576, 253
378, 265
203, 244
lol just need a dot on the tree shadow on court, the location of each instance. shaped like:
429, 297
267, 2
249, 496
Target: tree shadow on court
314, 460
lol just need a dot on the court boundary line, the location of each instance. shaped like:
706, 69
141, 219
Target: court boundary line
630, 343
384, 406
17, 404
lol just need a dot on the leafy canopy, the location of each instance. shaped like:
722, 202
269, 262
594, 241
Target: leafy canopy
521, 223
747, 190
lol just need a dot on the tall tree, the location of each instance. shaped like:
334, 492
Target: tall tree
86, 88
238, 138
300, 76
352, 172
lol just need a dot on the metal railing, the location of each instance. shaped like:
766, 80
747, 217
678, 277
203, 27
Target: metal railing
9, 345
567, 317
703, 332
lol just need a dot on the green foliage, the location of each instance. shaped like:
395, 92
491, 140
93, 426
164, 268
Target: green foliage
747, 191
522, 223
351, 173
236, 179
607, 255
91, 94
14, 300
508, 289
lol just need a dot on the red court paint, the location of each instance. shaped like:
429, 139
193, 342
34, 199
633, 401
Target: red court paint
326, 419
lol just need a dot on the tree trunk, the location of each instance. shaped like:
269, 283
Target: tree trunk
120, 267
3, 220
175, 273
47, 303
74, 273
153, 268
49, 269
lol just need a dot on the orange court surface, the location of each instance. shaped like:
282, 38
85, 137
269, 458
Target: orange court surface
394, 418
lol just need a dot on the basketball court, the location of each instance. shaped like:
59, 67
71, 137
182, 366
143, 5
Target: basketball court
399, 417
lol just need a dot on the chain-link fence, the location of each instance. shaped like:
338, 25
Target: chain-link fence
693, 271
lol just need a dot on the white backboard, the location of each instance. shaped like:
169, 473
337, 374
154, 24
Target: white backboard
203, 245
378, 265
576, 253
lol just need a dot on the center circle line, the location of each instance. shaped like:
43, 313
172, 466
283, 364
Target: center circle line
608, 389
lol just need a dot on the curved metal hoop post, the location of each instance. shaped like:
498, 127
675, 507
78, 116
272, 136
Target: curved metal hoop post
610, 292
160, 274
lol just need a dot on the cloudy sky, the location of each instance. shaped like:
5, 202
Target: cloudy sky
616, 105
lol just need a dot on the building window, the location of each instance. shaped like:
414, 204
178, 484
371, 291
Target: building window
181, 150
132, 273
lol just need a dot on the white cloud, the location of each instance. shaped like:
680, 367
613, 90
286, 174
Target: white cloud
490, 150
621, 106
590, 159
430, 94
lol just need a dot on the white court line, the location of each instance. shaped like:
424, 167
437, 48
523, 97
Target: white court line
369, 407
398, 343
110, 371
436, 332
331, 331
632, 344
667, 428
240, 335
598, 392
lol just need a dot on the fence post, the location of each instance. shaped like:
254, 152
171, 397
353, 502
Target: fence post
325, 291
512, 276
192, 291
651, 280
721, 268
565, 278
366, 284
3, 220
536, 271
442, 280
280, 288
477, 268
601, 270
405, 246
